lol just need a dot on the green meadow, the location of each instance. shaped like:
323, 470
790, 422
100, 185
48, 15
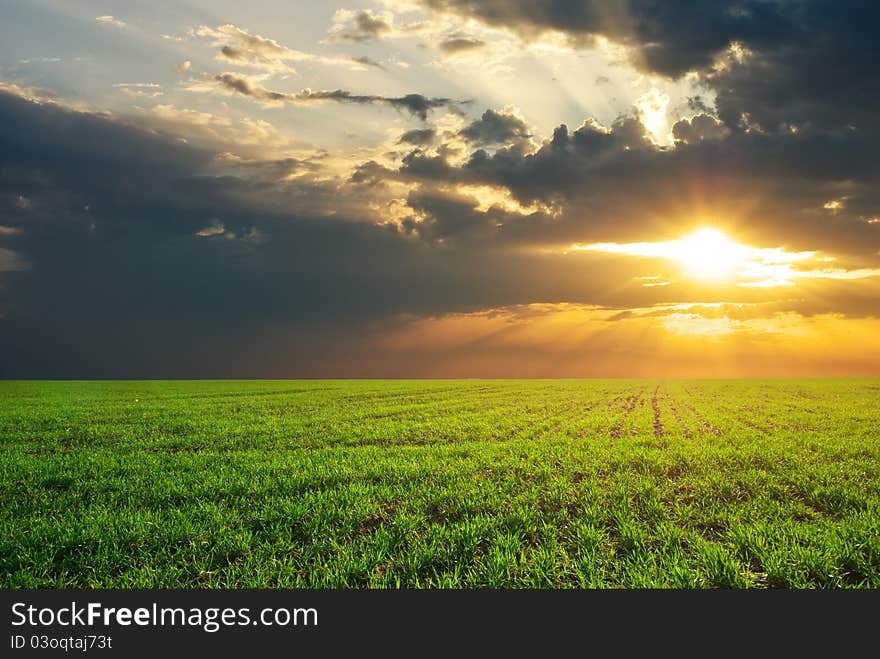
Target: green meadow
440, 484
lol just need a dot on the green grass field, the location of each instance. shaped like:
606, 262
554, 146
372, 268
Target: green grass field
440, 484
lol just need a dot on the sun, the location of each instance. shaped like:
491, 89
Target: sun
708, 254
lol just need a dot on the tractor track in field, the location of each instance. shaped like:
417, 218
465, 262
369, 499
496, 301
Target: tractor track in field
658, 424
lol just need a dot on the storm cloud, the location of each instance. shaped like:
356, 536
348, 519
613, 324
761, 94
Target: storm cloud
127, 268
792, 62
669, 38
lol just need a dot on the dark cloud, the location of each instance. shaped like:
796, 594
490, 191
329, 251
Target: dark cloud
559, 167
111, 241
698, 128
458, 45
819, 74
415, 104
119, 283
669, 38
810, 64
441, 216
616, 185
496, 127
698, 104
419, 137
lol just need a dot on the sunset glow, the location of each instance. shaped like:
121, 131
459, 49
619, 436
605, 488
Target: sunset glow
710, 256
286, 188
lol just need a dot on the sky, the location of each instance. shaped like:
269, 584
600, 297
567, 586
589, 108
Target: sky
439, 188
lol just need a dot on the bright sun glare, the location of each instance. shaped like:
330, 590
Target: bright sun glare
708, 254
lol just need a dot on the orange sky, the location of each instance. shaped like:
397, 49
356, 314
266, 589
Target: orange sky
415, 188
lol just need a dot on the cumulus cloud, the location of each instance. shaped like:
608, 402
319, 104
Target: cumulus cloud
698, 128
419, 137
766, 188
496, 127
